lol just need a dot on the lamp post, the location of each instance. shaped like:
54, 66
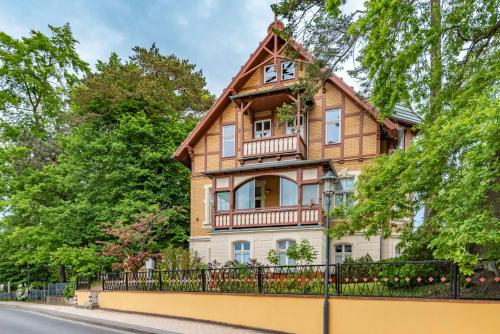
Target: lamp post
328, 181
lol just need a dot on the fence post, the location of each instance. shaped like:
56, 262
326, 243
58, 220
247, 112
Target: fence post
77, 277
338, 278
90, 282
456, 278
159, 281
126, 280
259, 279
203, 281
102, 280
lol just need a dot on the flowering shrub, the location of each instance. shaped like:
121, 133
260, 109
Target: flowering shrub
22, 292
133, 243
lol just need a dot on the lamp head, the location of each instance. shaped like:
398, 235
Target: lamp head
328, 181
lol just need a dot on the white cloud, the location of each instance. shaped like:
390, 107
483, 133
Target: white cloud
98, 43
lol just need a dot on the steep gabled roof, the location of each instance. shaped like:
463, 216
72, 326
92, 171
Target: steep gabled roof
184, 151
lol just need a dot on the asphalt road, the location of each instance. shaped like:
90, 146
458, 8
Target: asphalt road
17, 321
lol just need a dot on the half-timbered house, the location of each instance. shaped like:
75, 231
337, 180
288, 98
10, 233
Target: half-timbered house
256, 181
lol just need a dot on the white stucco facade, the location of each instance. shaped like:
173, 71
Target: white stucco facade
219, 245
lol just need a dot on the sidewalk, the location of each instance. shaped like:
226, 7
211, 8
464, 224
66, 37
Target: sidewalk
137, 323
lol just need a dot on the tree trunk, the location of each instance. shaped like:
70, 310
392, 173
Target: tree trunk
61, 271
436, 57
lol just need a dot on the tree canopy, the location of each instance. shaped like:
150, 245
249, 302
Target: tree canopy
88, 152
439, 58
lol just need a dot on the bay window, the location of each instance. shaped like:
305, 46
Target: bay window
223, 200
288, 192
245, 196
310, 194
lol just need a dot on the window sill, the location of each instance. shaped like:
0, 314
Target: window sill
332, 144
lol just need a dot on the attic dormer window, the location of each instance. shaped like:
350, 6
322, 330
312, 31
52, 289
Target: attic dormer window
270, 73
287, 70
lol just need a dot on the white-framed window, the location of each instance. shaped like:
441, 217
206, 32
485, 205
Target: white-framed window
401, 138
284, 259
262, 129
223, 200
241, 251
228, 140
287, 70
288, 192
270, 73
344, 190
397, 251
342, 252
332, 126
209, 204
290, 128
310, 194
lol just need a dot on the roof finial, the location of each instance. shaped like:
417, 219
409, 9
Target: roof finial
276, 25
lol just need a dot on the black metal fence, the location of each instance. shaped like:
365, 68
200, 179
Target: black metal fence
8, 296
56, 289
409, 279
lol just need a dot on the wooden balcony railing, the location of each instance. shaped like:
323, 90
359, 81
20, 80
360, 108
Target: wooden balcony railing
274, 146
267, 217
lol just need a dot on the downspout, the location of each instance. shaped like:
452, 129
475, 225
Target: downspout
307, 134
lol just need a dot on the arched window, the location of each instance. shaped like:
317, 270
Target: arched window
241, 251
245, 195
342, 252
284, 259
253, 193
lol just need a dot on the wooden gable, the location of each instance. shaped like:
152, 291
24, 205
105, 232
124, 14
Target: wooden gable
206, 135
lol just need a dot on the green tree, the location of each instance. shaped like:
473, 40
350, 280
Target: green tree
439, 58
37, 74
112, 162
129, 118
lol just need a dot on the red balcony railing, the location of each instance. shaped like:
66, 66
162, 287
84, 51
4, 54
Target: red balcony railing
281, 216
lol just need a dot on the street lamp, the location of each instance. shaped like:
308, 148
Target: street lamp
328, 181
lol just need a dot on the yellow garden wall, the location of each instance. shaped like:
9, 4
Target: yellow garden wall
354, 316
304, 314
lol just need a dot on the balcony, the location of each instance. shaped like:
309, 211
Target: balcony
296, 215
276, 194
274, 148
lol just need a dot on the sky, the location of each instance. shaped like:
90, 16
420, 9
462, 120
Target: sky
216, 35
